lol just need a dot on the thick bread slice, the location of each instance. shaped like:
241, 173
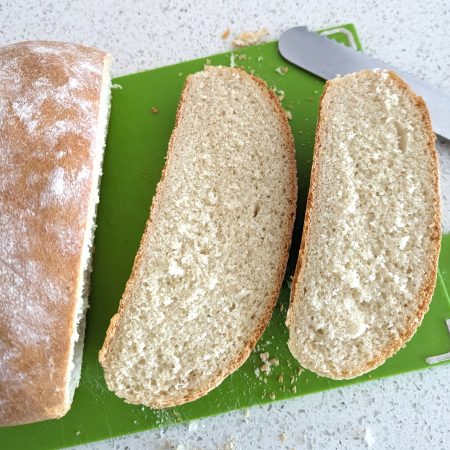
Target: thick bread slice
212, 259
54, 106
368, 259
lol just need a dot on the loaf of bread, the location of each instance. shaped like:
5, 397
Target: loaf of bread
212, 259
371, 238
54, 106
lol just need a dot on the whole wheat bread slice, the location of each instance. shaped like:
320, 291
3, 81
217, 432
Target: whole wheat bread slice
368, 259
213, 255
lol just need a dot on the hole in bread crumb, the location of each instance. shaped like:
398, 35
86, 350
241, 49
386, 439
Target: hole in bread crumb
256, 210
402, 136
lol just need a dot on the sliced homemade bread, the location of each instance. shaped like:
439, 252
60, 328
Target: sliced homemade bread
54, 107
211, 262
368, 259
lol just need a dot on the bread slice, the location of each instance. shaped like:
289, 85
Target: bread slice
367, 264
211, 262
54, 107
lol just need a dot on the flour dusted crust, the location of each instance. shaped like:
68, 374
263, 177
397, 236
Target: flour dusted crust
49, 114
427, 288
271, 300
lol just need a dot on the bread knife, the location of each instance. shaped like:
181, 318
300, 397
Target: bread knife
327, 58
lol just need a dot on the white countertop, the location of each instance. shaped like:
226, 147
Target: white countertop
408, 411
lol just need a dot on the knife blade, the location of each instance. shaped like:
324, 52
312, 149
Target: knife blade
327, 58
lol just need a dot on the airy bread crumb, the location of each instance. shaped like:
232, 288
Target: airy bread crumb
212, 259
368, 261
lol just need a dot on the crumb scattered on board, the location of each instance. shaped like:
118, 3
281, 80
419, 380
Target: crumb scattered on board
281, 70
250, 38
268, 362
282, 437
279, 93
288, 115
154, 110
265, 368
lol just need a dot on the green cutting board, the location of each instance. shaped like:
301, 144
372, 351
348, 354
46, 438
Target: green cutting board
136, 147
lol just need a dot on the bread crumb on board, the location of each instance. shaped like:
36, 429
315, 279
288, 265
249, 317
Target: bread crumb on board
154, 110
250, 38
288, 115
279, 93
266, 367
281, 70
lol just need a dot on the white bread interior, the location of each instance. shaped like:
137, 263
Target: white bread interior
212, 258
83, 287
368, 260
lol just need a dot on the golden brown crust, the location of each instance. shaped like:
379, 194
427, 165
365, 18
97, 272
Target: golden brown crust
49, 107
426, 291
271, 301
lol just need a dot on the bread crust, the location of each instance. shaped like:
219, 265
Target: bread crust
49, 109
273, 296
427, 288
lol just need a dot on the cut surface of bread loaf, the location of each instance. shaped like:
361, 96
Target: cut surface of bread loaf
54, 108
368, 259
212, 259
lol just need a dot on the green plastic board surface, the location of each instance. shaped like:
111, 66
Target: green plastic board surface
136, 147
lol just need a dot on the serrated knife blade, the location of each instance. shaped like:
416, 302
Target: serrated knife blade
326, 58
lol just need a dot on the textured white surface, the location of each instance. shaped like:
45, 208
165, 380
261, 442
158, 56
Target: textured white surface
409, 411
